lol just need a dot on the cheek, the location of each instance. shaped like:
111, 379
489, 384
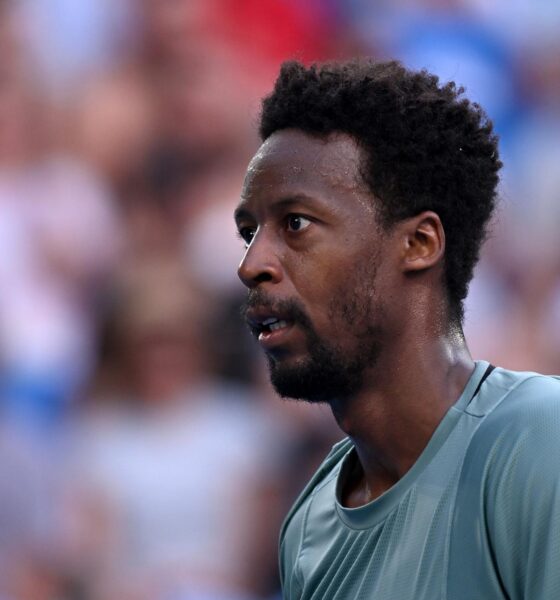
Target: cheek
352, 306
313, 276
357, 296
338, 292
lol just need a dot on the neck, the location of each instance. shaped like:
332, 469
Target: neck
404, 398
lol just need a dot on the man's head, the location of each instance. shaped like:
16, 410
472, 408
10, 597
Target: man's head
423, 147
369, 175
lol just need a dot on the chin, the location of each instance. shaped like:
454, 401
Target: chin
314, 382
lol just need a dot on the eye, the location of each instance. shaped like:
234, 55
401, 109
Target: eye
297, 223
247, 234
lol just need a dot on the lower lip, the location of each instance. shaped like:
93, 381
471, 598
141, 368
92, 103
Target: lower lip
269, 339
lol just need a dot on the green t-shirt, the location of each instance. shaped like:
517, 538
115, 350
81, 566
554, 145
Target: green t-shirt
477, 517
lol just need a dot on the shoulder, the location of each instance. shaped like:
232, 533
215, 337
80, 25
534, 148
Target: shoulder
293, 527
526, 406
506, 530
518, 440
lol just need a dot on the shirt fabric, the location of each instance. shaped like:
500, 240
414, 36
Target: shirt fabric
477, 517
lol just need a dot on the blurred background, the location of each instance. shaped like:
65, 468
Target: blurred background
142, 452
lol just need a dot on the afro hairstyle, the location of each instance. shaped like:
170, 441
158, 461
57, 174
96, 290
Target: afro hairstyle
424, 147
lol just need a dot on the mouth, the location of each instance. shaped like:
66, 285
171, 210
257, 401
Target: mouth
269, 329
272, 324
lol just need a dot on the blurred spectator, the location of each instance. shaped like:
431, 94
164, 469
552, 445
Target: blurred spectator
58, 238
171, 464
73, 41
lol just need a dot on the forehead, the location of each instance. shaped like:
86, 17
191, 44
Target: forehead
292, 162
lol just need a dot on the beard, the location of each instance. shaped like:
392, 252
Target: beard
328, 371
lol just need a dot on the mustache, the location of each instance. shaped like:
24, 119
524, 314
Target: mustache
289, 308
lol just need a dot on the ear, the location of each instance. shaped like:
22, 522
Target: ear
423, 241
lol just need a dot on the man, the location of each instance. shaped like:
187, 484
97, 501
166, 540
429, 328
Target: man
363, 213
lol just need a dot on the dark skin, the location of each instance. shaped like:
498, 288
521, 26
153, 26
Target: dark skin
313, 235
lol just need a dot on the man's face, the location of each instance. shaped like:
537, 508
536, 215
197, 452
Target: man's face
316, 265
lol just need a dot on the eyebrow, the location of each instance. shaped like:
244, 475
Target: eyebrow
241, 212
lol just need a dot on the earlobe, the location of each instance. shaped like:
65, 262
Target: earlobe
423, 242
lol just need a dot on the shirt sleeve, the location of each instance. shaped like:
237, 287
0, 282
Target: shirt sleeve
507, 521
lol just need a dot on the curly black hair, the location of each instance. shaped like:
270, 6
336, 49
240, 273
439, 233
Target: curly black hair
425, 147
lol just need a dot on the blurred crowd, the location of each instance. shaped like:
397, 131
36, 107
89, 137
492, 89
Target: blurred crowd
143, 455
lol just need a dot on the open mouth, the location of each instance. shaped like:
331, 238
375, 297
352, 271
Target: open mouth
272, 332
264, 325
272, 324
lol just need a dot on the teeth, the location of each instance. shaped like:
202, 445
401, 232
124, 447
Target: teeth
269, 321
277, 325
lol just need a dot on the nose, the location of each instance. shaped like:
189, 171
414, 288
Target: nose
260, 263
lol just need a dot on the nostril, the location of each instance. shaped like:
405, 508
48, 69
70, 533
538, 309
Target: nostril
262, 277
